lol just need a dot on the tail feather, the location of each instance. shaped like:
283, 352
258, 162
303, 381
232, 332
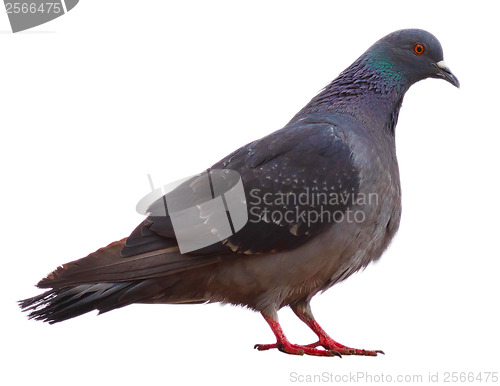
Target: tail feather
107, 265
104, 281
57, 305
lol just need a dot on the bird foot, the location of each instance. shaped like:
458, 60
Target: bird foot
297, 349
329, 344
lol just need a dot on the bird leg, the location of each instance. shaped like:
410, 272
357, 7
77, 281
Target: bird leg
285, 346
303, 310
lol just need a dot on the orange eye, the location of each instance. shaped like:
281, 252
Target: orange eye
418, 49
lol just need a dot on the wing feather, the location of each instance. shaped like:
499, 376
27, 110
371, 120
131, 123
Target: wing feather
303, 160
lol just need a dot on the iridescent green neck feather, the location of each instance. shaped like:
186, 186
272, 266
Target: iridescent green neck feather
385, 69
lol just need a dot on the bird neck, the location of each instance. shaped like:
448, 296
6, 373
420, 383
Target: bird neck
371, 90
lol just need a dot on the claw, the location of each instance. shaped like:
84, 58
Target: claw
336, 353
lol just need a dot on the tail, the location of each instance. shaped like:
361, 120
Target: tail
57, 305
104, 281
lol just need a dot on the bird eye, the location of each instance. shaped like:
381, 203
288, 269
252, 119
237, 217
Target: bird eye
418, 49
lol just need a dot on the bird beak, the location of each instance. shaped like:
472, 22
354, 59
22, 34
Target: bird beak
445, 73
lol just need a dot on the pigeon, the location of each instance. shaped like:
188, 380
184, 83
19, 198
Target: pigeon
321, 199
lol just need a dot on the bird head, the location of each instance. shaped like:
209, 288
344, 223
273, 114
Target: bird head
412, 54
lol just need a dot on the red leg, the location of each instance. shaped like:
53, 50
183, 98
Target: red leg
303, 311
285, 346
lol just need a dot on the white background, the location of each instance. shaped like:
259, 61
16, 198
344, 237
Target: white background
94, 100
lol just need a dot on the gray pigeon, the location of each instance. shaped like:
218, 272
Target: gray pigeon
322, 198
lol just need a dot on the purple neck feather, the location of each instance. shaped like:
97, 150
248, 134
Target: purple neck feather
371, 90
